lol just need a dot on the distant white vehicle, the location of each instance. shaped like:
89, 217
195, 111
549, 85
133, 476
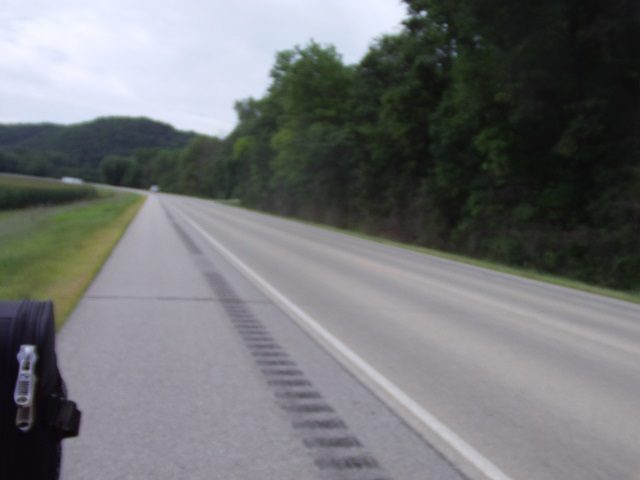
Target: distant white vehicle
71, 180
154, 188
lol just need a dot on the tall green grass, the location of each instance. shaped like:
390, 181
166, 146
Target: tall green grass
21, 192
54, 252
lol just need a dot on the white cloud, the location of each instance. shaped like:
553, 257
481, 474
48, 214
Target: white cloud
184, 62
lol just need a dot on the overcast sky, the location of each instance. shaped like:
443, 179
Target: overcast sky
184, 62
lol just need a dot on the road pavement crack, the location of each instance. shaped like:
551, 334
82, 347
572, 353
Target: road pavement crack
151, 298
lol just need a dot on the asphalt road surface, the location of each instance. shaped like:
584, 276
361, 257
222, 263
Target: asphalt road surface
218, 343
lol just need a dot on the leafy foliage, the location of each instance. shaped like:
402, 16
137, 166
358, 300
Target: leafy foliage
485, 127
17, 192
77, 150
491, 128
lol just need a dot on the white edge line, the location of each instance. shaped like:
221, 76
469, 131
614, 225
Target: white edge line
463, 448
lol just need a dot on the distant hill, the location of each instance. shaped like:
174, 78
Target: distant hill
76, 150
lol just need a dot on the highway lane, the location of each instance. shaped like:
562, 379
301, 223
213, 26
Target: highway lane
185, 370
540, 380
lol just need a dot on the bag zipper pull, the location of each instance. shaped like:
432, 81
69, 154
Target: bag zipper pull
24, 393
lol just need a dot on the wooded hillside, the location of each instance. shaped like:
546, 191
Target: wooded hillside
77, 150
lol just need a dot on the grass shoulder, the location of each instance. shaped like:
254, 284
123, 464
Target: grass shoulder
55, 252
627, 296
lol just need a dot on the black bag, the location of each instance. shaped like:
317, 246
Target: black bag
35, 414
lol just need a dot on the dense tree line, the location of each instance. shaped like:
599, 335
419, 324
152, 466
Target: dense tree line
494, 128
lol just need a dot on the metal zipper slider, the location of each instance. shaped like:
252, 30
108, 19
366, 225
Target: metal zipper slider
24, 394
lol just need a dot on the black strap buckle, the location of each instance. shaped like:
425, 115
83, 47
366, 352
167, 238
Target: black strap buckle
64, 416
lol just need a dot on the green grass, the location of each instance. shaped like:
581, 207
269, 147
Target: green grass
21, 192
55, 252
33, 182
628, 296
633, 297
